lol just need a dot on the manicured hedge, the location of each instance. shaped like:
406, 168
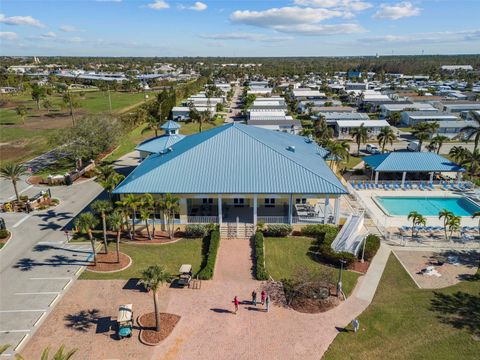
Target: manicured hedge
278, 230
260, 271
371, 247
325, 234
196, 231
4, 234
214, 241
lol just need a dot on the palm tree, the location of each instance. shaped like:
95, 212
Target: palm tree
417, 220
13, 172
21, 111
169, 206
147, 202
132, 203
322, 132
422, 132
102, 207
85, 222
153, 277
59, 355
104, 171
438, 141
338, 152
453, 225
394, 118
446, 215
457, 153
145, 214
359, 135
111, 182
115, 222
471, 161
385, 136
152, 124
475, 215
473, 131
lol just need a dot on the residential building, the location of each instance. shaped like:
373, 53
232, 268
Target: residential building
343, 128
411, 118
387, 109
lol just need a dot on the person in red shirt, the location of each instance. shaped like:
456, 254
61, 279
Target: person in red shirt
263, 295
235, 302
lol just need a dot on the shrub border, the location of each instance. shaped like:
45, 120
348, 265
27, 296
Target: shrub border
206, 273
260, 270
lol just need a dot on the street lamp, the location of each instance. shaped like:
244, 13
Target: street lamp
363, 249
339, 284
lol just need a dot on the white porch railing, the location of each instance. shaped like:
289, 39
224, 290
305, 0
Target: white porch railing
202, 219
284, 220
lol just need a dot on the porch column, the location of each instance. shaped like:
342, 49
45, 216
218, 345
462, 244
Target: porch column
336, 214
376, 177
404, 176
325, 211
459, 177
220, 210
255, 209
290, 212
431, 176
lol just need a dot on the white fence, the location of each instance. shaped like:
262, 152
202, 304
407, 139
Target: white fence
202, 219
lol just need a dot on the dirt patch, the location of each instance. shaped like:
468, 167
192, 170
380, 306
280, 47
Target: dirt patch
360, 267
160, 238
108, 262
148, 334
313, 306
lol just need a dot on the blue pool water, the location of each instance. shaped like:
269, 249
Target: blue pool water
427, 206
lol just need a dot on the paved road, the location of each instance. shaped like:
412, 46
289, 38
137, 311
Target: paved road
235, 106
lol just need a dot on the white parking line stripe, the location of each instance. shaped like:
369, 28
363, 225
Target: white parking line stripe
27, 310
50, 278
21, 221
13, 331
39, 293
20, 192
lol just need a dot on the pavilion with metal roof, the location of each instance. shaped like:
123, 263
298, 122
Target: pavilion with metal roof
161, 143
411, 162
244, 166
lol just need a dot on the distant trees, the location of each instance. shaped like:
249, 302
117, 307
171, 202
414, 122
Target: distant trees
360, 136
22, 112
472, 131
424, 131
38, 93
70, 101
394, 118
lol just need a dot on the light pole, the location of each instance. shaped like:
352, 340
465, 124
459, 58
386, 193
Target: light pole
363, 249
339, 284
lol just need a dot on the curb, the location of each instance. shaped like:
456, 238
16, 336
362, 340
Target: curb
112, 271
10, 236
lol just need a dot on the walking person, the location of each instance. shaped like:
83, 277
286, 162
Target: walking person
262, 297
254, 298
235, 302
267, 302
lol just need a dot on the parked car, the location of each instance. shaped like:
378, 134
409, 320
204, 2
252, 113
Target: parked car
372, 149
412, 146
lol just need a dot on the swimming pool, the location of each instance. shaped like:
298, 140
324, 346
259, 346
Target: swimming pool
427, 206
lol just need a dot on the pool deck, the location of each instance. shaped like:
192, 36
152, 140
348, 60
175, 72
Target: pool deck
367, 197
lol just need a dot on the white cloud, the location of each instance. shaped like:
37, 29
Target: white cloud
298, 20
8, 35
397, 11
245, 36
21, 20
158, 5
198, 6
68, 28
429, 37
354, 5
49, 35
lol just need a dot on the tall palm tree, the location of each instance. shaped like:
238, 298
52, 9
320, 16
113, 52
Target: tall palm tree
145, 214
13, 172
102, 207
152, 124
86, 222
111, 182
458, 153
169, 205
338, 152
475, 215
148, 204
438, 141
322, 132
132, 203
473, 131
453, 225
359, 135
115, 222
153, 277
422, 132
104, 171
386, 135
446, 216
471, 162
417, 220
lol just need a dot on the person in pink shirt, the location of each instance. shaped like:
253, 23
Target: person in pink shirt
235, 302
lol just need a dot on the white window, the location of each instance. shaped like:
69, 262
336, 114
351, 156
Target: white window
208, 201
269, 202
238, 202
301, 201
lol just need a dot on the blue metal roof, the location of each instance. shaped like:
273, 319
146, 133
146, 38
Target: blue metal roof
236, 159
159, 144
411, 162
170, 125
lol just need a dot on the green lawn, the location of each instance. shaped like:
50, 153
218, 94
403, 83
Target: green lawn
285, 256
173, 255
353, 161
404, 322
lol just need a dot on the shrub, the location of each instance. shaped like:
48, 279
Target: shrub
4, 234
23, 198
196, 231
372, 245
214, 241
320, 230
260, 271
55, 201
278, 230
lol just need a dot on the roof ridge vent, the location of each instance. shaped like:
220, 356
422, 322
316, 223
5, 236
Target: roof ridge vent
291, 148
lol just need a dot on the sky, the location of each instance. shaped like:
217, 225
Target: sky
238, 27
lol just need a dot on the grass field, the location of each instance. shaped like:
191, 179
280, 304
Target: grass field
404, 322
22, 141
171, 255
285, 256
